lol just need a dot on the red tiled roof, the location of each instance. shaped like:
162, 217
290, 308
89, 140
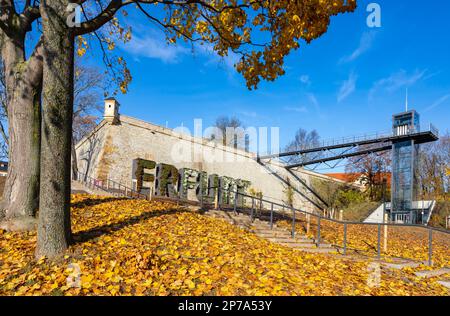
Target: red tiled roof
351, 177
342, 176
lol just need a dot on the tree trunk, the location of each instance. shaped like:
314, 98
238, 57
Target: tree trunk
23, 84
54, 233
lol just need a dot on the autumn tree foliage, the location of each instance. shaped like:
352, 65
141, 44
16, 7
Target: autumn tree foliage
434, 164
261, 32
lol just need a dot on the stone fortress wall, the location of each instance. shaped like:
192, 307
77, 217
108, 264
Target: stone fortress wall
108, 153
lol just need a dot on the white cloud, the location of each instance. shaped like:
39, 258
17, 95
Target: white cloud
305, 80
313, 99
347, 87
251, 114
438, 102
214, 59
300, 109
153, 45
365, 43
396, 81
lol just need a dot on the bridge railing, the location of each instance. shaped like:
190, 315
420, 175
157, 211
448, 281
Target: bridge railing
366, 137
353, 139
434, 130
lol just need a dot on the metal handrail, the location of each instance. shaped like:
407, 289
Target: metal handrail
434, 130
85, 178
320, 217
339, 221
365, 137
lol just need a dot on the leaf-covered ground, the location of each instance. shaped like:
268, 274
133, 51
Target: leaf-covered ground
130, 247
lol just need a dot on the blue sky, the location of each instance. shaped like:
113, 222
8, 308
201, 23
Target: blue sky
350, 81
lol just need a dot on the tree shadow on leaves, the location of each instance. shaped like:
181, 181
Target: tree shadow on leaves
93, 233
93, 201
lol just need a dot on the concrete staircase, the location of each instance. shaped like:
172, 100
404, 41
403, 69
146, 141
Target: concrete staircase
275, 234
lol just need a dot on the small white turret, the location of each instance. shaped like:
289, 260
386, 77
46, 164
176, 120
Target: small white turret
111, 113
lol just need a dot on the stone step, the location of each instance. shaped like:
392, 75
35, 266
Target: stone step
218, 213
242, 217
268, 231
228, 218
215, 215
298, 245
275, 238
242, 222
273, 233
228, 215
324, 245
258, 221
290, 240
432, 273
215, 212
260, 227
316, 250
444, 283
401, 265
267, 228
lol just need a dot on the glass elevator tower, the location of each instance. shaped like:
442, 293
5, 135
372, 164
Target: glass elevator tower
404, 167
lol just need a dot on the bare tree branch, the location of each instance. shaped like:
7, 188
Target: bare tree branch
104, 17
7, 15
28, 16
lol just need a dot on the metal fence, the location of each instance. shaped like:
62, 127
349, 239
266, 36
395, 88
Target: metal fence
110, 186
404, 241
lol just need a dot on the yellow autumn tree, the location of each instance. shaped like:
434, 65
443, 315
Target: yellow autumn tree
261, 32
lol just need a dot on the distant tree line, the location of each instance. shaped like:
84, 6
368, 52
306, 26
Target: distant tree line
434, 164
